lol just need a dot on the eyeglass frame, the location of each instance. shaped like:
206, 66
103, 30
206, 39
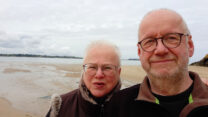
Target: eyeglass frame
97, 67
162, 38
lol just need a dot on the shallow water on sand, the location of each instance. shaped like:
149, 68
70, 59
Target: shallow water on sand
28, 83
25, 84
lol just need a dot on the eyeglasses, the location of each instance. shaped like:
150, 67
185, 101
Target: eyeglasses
107, 69
170, 40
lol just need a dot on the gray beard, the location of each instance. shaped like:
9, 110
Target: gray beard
178, 73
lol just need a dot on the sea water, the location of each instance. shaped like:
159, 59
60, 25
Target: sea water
28, 82
57, 60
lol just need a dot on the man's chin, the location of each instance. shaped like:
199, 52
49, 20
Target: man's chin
161, 74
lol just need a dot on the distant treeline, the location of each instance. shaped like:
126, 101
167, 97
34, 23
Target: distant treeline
43, 56
134, 59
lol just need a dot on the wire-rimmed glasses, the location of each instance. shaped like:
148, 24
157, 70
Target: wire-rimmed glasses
107, 69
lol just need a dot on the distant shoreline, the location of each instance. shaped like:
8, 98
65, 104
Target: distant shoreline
133, 59
39, 56
48, 56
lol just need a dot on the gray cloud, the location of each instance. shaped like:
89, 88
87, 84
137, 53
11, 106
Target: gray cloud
65, 27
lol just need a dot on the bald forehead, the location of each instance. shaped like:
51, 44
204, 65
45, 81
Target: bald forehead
161, 16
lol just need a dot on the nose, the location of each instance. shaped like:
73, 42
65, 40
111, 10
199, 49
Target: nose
99, 73
161, 49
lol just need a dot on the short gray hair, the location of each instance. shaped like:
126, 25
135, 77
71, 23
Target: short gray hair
99, 43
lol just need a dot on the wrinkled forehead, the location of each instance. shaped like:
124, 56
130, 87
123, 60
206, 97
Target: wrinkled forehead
161, 21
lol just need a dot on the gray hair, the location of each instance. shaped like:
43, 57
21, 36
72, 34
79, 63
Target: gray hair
99, 43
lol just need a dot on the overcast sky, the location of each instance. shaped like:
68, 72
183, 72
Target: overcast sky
65, 27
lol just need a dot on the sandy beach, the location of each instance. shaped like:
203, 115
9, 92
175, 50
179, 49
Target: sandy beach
25, 88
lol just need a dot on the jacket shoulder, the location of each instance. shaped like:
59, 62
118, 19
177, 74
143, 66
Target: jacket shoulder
69, 98
58, 102
130, 92
69, 95
122, 101
126, 95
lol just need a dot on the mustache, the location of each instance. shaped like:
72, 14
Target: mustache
161, 59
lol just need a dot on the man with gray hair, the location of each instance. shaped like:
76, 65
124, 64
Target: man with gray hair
100, 80
169, 89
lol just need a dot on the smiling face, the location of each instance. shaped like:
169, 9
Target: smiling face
164, 62
101, 84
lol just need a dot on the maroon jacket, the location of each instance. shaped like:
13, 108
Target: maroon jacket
79, 103
74, 105
138, 101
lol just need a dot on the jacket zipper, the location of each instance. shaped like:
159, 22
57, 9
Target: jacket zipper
101, 110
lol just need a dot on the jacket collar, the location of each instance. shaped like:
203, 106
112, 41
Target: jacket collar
199, 94
145, 92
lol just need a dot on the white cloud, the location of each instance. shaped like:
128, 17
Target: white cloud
65, 27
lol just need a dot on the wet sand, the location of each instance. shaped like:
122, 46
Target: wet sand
25, 88
7, 110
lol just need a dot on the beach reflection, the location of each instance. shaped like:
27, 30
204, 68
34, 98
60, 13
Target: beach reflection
28, 83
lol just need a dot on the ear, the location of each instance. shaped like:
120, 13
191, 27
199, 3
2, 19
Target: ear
138, 50
190, 46
119, 70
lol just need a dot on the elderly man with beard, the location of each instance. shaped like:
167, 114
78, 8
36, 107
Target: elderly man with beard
169, 89
100, 80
